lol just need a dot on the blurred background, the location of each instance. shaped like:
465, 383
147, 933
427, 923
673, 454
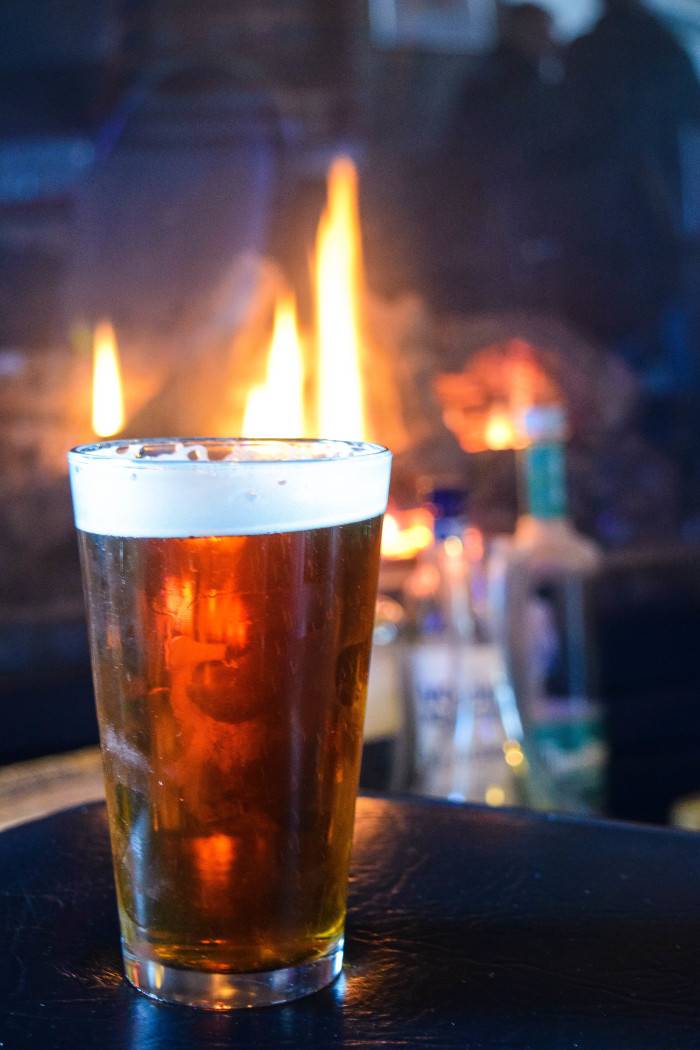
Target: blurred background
499, 207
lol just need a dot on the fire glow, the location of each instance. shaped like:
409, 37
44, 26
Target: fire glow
338, 280
500, 432
333, 360
276, 408
107, 395
485, 404
406, 534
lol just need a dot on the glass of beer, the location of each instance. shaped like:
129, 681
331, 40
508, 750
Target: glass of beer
230, 589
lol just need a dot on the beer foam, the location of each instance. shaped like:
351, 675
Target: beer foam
167, 488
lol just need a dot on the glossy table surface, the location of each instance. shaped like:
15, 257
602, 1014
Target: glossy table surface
468, 928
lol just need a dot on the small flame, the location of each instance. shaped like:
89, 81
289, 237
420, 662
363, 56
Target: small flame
276, 407
406, 535
338, 281
499, 433
107, 396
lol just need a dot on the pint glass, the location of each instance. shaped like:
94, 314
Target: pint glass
230, 589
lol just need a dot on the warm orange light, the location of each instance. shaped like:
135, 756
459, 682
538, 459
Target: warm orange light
276, 407
214, 860
499, 432
406, 535
107, 396
494, 795
338, 284
214, 853
514, 757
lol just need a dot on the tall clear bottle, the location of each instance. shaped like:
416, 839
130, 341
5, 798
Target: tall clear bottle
543, 590
467, 730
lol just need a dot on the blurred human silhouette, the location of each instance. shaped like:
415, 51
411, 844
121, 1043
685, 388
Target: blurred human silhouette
494, 102
633, 100
632, 90
499, 134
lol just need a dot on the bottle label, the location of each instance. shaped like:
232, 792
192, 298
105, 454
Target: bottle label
565, 724
459, 730
545, 477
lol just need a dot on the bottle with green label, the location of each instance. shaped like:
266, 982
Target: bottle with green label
545, 623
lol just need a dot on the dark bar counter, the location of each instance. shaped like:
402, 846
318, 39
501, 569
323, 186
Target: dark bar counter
468, 927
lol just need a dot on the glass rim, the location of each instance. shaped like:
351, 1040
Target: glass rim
114, 451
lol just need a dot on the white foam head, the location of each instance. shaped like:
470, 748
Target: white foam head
225, 487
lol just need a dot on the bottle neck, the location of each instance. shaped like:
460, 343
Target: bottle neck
544, 481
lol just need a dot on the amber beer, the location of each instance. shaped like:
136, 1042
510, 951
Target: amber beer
230, 660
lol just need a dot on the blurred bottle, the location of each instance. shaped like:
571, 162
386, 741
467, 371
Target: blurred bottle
467, 730
541, 586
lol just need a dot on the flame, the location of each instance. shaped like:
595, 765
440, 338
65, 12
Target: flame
406, 535
494, 795
107, 397
338, 284
499, 432
276, 407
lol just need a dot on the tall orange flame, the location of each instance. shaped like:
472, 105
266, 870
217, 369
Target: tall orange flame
338, 280
107, 395
276, 407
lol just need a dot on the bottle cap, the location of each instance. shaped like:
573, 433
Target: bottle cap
545, 423
448, 502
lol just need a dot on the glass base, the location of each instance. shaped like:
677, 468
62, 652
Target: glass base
231, 991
